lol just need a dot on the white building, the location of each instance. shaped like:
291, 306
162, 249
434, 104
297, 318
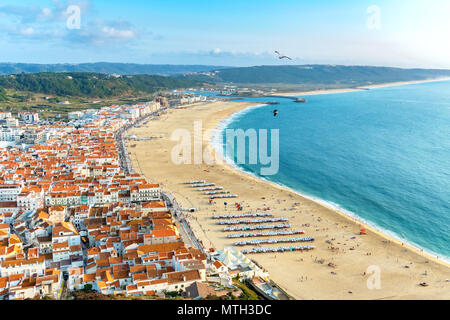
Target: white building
76, 115
29, 117
146, 192
29, 267
65, 232
29, 201
4, 115
10, 135
237, 264
9, 192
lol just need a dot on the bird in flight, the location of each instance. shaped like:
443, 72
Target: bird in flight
281, 56
275, 113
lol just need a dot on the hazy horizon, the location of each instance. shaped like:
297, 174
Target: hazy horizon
220, 66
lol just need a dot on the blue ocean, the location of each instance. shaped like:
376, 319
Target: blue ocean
382, 155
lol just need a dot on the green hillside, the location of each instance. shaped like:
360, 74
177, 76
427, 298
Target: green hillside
105, 67
91, 84
3, 96
327, 75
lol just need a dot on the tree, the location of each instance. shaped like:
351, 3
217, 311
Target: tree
87, 287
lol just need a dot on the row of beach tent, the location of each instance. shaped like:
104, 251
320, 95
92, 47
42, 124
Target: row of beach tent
280, 249
252, 221
259, 227
225, 196
209, 193
272, 241
266, 234
243, 215
194, 182
210, 189
202, 185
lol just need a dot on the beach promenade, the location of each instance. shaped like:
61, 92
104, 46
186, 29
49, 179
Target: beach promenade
338, 268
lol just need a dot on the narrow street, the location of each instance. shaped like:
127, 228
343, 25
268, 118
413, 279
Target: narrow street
185, 232
126, 164
64, 292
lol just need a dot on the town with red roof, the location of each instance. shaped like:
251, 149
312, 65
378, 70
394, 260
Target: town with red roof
74, 216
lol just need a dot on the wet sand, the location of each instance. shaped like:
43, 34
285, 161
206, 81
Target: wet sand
304, 275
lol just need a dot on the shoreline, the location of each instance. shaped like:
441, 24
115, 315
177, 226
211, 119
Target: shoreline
361, 88
289, 270
353, 216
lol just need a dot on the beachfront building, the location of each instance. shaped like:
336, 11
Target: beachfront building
151, 207
66, 206
160, 236
237, 264
146, 192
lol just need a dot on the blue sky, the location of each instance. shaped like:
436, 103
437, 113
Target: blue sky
411, 33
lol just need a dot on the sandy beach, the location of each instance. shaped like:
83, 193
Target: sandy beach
304, 275
391, 84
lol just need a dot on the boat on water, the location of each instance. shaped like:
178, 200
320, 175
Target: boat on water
300, 100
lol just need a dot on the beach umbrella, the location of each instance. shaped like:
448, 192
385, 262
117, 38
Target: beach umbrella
363, 232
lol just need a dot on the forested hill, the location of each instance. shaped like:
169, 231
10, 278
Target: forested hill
3, 95
319, 74
106, 67
91, 84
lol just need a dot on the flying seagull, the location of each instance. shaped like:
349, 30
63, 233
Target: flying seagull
275, 113
282, 57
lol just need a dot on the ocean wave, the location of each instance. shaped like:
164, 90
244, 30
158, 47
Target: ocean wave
216, 141
216, 134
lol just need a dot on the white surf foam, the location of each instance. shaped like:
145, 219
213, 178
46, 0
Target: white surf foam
216, 141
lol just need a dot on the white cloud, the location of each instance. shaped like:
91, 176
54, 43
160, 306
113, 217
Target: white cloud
28, 31
112, 32
46, 12
38, 23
